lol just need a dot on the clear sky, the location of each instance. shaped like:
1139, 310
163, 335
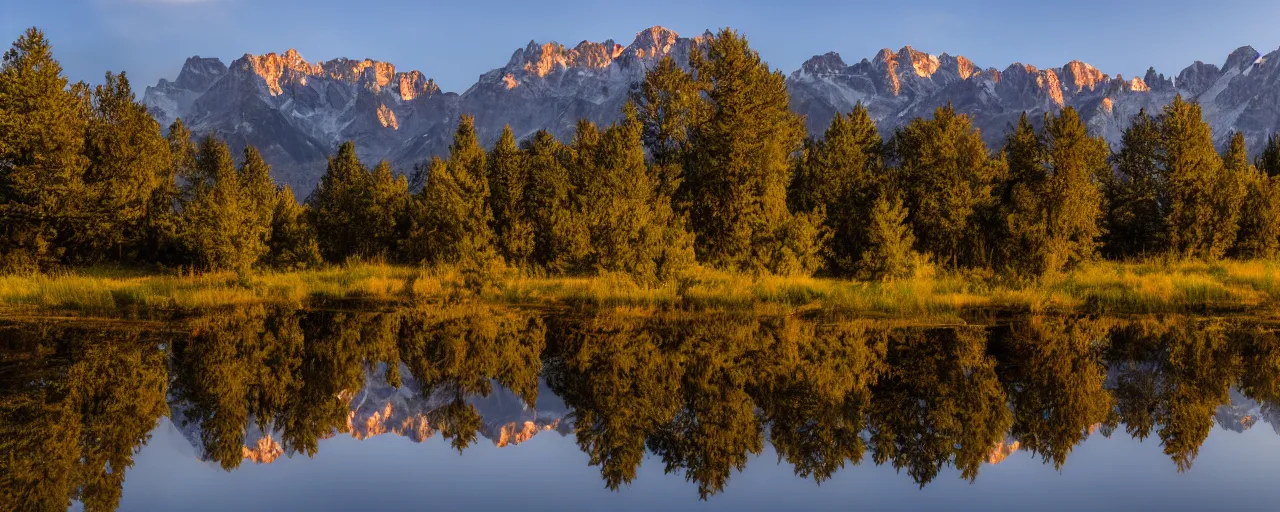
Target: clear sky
455, 41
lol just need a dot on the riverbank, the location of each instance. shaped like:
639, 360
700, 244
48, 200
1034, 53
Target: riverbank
1102, 287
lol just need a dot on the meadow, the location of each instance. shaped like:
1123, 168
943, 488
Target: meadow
1151, 287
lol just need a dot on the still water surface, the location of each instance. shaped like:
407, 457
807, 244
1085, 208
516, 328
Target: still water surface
478, 407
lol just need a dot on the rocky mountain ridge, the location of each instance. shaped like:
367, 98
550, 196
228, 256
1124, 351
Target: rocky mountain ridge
297, 111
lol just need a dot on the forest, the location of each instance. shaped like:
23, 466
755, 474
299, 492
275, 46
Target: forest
707, 170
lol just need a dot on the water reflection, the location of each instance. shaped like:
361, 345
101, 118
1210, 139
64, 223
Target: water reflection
702, 393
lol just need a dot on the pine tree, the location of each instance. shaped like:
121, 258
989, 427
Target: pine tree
128, 163
633, 228
292, 245
258, 194
1195, 176
337, 204
508, 180
164, 218
217, 226
889, 254
668, 104
841, 174
1021, 233
358, 213
946, 176
42, 163
1072, 195
1231, 188
1269, 160
560, 239
1260, 217
1137, 194
455, 225
737, 174
385, 213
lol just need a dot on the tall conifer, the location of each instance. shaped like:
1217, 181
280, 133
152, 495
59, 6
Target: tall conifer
737, 175
42, 163
946, 176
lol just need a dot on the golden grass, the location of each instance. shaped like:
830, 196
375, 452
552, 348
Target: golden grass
1105, 287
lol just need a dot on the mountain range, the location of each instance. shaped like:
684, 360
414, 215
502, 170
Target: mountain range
506, 419
297, 112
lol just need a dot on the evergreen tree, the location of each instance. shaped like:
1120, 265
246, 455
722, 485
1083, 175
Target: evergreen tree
292, 245
1072, 195
668, 104
358, 213
889, 254
1269, 160
386, 210
164, 218
841, 174
560, 239
1193, 170
455, 222
633, 228
337, 203
508, 180
1231, 188
258, 194
1051, 200
946, 176
1137, 193
218, 227
128, 164
1021, 233
1260, 217
42, 163
737, 175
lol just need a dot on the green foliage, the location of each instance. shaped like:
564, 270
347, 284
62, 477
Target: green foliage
1020, 232
77, 404
739, 166
668, 103
292, 245
508, 180
1260, 217
561, 240
1054, 202
1268, 161
358, 213
219, 225
1196, 176
632, 226
841, 176
1229, 195
946, 177
128, 175
888, 254
42, 162
453, 216
1137, 193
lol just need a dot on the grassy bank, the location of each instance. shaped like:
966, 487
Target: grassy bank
1106, 287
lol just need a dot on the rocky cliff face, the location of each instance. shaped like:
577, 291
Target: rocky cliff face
297, 112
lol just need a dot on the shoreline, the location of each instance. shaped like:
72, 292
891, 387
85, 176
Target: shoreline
1101, 287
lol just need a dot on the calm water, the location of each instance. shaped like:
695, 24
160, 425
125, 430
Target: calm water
478, 407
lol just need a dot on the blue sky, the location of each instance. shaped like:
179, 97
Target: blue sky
455, 41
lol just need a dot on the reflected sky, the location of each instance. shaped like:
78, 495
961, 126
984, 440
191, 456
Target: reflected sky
548, 472
486, 407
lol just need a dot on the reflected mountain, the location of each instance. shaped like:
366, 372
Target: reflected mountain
700, 392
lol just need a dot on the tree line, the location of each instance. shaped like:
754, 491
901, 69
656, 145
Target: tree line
707, 165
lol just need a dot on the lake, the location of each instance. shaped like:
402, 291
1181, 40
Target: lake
484, 407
